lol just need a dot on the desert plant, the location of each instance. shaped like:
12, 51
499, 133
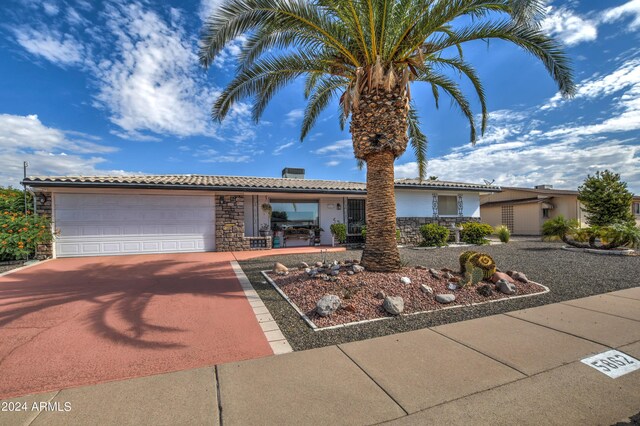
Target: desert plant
464, 258
503, 233
473, 275
565, 229
368, 54
619, 235
484, 262
475, 233
339, 232
434, 235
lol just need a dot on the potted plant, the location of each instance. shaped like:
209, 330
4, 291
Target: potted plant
264, 230
266, 207
316, 232
338, 232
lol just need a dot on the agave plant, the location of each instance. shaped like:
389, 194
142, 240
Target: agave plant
368, 54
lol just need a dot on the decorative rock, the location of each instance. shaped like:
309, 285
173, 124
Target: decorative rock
318, 264
506, 287
448, 275
426, 289
520, 277
304, 265
307, 271
446, 270
452, 286
328, 305
335, 272
497, 276
350, 272
421, 267
355, 261
405, 280
485, 290
454, 280
434, 273
445, 298
510, 273
325, 277
279, 268
393, 304
357, 268
380, 295
335, 268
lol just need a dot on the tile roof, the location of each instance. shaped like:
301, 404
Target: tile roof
246, 183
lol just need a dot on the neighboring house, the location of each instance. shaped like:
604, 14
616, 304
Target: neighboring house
107, 215
524, 210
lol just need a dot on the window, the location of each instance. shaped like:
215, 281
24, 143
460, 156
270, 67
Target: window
636, 209
294, 214
545, 213
447, 205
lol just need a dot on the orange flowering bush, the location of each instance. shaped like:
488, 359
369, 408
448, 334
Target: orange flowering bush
20, 233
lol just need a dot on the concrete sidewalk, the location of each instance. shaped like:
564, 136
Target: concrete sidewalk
518, 368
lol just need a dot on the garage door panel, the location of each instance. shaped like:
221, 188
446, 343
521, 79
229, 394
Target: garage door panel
93, 224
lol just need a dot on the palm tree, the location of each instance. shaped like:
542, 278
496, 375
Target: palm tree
367, 53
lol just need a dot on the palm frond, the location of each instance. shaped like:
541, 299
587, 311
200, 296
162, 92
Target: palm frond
418, 141
325, 90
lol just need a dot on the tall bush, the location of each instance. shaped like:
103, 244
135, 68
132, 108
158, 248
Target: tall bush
606, 199
475, 233
339, 231
434, 235
503, 233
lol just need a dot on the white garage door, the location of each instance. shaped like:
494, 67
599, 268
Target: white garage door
113, 224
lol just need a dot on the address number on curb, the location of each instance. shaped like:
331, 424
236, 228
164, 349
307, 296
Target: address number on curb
613, 363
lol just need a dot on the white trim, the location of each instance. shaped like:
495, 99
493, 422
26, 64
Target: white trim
314, 327
278, 342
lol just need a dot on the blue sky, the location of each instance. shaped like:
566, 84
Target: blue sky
114, 87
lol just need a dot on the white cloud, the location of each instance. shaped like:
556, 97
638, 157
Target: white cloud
341, 147
568, 26
631, 8
49, 151
61, 49
282, 147
332, 163
207, 7
293, 116
50, 9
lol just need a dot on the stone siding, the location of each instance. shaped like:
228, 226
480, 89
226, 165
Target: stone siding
43, 208
410, 226
230, 226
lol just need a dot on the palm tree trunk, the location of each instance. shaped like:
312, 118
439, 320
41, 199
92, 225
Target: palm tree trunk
381, 248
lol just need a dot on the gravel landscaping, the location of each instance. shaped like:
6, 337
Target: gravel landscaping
362, 293
569, 275
10, 266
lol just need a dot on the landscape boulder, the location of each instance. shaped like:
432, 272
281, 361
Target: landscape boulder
497, 276
506, 287
328, 305
434, 273
519, 276
485, 290
405, 280
357, 268
393, 304
426, 289
304, 265
319, 265
445, 298
280, 269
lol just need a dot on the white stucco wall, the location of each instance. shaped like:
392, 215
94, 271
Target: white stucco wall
329, 212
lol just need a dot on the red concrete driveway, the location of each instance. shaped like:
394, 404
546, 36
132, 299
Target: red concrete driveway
70, 322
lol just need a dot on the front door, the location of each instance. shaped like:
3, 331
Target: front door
355, 217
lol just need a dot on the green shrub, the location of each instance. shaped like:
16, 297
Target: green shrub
434, 235
20, 234
12, 200
503, 233
363, 232
339, 231
475, 233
